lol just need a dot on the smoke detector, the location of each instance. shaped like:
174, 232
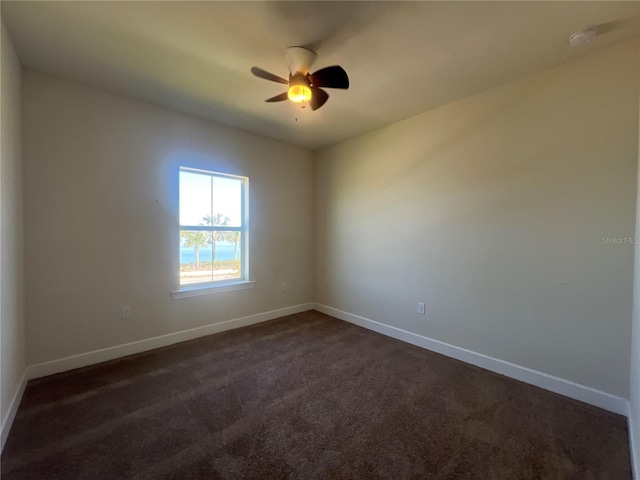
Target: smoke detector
583, 37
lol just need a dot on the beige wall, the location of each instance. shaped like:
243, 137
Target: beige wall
101, 218
12, 320
492, 210
634, 411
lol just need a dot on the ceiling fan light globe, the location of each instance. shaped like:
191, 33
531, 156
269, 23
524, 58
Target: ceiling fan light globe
299, 93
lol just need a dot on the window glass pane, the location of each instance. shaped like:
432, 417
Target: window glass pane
211, 199
227, 201
195, 198
195, 257
228, 253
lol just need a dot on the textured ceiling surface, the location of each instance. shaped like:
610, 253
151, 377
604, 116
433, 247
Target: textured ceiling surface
403, 58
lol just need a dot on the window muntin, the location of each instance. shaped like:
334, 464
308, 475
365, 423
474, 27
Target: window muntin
213, 228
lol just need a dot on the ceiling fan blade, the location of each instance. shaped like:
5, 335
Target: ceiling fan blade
278, 98
330, 77
258, 72
318, 98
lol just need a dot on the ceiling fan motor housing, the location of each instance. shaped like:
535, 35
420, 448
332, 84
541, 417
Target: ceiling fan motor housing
299, 79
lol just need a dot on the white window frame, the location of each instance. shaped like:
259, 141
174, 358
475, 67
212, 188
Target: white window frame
220, 286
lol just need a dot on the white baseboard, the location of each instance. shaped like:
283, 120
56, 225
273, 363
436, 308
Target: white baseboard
631, 425
7, 421
111, 353
567, 388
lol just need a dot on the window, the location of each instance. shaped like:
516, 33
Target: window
213, 229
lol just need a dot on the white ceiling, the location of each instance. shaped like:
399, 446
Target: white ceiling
403, 58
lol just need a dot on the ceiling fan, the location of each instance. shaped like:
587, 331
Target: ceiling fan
304, 86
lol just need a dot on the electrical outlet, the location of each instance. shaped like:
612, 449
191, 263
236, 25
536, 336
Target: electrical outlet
283, 287
126, 313
421, 308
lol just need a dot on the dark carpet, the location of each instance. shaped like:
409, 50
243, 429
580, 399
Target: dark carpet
307, 397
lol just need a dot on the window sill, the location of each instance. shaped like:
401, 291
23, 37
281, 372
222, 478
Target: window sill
198, 290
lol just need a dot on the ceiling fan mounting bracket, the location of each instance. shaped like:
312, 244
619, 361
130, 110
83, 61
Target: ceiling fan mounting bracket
299, 59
